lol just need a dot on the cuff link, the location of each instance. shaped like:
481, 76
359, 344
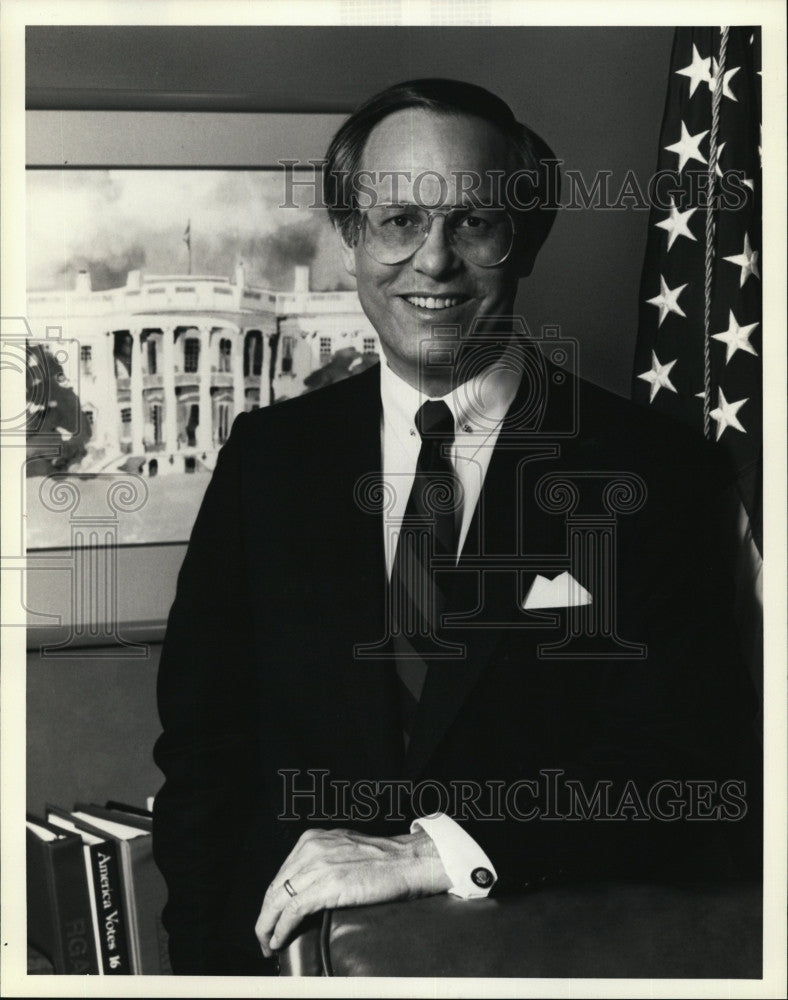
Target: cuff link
482, 877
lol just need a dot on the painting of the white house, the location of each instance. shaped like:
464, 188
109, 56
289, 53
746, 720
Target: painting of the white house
161, 303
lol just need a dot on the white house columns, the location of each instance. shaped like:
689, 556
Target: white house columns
168, 386
185, 386
205, 427
237, 366
136, 392
167, 362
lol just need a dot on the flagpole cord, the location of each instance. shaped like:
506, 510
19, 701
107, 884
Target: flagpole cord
713, 148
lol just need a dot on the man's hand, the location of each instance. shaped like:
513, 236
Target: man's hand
331, 868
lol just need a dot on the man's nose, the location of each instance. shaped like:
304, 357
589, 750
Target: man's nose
435, 256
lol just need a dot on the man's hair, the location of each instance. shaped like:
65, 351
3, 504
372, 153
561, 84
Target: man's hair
537, 186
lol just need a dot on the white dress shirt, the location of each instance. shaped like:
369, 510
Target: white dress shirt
478, 407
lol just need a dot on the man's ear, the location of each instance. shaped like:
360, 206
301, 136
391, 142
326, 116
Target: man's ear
347, 250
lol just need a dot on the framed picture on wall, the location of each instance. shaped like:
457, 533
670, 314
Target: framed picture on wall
166, 295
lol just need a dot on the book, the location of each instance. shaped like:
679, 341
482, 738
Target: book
144, 887
59, 914
70, 828
123, 807
105, 881
140, 819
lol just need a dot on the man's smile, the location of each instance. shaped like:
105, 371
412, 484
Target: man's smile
435, 303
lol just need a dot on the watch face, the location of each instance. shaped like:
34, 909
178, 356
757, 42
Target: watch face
481, 877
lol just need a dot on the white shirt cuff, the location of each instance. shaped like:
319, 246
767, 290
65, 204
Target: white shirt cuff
470, 870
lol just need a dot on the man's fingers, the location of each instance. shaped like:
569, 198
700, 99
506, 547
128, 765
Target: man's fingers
318, 872
301, 869
312, 847
293, 912
278, 899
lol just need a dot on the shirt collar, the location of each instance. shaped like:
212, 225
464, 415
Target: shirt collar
478, 405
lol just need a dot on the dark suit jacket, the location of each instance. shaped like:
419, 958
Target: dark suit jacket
284, 579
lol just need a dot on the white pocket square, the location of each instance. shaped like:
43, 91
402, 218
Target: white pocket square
562, 592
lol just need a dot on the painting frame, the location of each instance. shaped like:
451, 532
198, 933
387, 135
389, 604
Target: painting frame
156, 143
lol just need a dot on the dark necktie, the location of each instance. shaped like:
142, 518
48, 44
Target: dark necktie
428, 530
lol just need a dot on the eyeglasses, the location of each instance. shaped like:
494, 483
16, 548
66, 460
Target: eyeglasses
393, 233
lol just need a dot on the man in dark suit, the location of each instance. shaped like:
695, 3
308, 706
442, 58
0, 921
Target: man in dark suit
370, 688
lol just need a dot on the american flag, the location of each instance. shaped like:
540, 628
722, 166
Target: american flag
698, 355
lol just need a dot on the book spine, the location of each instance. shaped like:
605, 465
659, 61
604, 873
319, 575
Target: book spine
150, 896
130, 904
144, 890
72, 916
112, 924
42, 903
93, 911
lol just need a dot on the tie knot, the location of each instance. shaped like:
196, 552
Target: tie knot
434, 421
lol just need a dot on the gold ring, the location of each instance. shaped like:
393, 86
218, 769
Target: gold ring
289, 888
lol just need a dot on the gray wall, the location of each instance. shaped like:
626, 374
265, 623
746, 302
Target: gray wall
91, 725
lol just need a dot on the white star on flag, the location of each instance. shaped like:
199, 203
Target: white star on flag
747, 260
667, 300
677, 224
729, 74
687, 148
698, 70
659, 376
736, 338
725, 414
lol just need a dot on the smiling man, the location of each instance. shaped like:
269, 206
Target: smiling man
361, 700
440, 254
